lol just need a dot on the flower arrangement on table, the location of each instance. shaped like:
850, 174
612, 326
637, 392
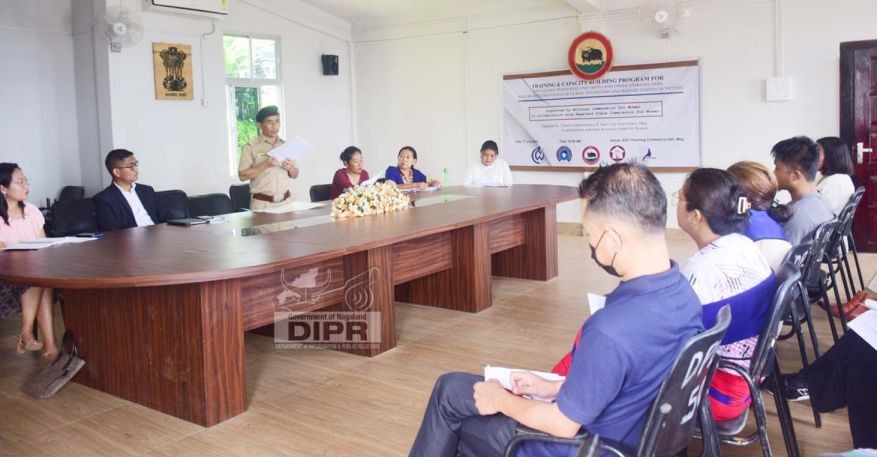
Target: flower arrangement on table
379, 198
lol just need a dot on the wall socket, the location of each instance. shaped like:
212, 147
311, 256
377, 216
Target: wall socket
778, 89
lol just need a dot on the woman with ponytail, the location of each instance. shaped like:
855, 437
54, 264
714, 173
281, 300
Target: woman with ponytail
728, 269
765, 216
22, 221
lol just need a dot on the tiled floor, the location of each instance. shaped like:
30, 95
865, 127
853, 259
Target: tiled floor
325, 403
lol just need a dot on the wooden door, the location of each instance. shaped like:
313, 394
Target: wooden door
858, 128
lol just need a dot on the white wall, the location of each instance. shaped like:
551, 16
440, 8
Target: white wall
733, 39
184, 145
38, 128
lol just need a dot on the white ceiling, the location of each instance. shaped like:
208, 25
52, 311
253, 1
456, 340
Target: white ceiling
366, 13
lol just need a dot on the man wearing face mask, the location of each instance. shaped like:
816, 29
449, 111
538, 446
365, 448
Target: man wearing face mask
620, 357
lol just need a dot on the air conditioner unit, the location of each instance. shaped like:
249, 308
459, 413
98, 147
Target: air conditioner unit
214, 9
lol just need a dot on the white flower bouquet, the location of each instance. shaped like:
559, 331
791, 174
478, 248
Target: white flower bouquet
359, 201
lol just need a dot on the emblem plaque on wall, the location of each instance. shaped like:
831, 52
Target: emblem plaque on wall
172, 68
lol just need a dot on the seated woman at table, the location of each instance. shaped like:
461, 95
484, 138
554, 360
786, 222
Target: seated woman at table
22, 221
491, 171
351, 175
405, 175
765, 216
728, 269
836, 167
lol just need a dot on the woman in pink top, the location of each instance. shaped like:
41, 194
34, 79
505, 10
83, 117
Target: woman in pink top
353, 173
21, 221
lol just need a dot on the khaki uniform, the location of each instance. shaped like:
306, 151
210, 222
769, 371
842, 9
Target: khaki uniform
272, 181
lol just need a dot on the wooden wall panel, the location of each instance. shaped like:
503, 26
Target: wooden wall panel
463, 287
506, 233
265, 294
421, 257
177, 349
537, 257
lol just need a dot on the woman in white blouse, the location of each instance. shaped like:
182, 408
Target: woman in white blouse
491, 171
836, 166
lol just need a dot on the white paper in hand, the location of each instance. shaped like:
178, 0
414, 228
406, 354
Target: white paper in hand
596, 302
504, 376
291, 150
866, 327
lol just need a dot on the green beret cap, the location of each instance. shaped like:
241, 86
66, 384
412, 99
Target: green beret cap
266, 112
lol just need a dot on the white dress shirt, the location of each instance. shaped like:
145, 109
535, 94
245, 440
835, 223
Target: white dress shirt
496, 174
140, 215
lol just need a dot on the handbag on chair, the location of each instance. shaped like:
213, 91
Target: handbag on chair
56, 374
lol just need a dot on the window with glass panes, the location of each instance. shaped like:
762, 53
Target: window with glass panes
252, 74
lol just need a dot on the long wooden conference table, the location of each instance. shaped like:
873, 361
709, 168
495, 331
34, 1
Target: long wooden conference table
159, 313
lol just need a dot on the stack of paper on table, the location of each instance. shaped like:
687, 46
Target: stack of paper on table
45, 243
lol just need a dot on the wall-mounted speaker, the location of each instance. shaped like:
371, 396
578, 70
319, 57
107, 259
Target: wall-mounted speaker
330, 65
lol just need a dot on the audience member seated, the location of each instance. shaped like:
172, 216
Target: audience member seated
124, 203
728, 269
765, 216
22, 221
836, 167
842, 377
405, 175
614, 375
796, 160
352, 175
491, 171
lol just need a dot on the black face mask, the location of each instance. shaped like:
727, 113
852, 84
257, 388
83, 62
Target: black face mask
607, 268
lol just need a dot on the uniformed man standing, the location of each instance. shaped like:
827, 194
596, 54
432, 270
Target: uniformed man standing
269, 178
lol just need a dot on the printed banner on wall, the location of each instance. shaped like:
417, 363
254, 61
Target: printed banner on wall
648, 114
172, 66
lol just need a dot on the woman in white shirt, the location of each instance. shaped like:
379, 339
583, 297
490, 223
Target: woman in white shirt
491, 171
836, 166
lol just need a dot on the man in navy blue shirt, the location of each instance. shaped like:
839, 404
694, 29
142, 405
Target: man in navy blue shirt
624, 353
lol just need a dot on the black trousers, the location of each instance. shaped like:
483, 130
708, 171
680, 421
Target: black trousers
845, 376
452, 427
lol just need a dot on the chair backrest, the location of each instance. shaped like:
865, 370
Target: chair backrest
72, 217
69, 193
174, 203
788, 292
209, 205
820, 241
673, 417
240, 195
320, 192
853, 205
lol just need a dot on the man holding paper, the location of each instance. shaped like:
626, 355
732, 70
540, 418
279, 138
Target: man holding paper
624, 352
269, 176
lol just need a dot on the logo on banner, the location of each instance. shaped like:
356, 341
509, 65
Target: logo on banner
648, 155
590, 56
591, 155
617, 153
564, 154
537, 155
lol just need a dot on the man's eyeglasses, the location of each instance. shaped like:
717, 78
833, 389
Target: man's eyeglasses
133, 166
22, 182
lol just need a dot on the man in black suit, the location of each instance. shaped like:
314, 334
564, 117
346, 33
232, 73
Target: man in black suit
125, 204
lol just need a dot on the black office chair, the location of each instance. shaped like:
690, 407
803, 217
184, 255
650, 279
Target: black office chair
209, 205
174, 203
816, 280
320, 192
672, 419
855, 200
69, 193
72, 217
762, 364
240, 195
